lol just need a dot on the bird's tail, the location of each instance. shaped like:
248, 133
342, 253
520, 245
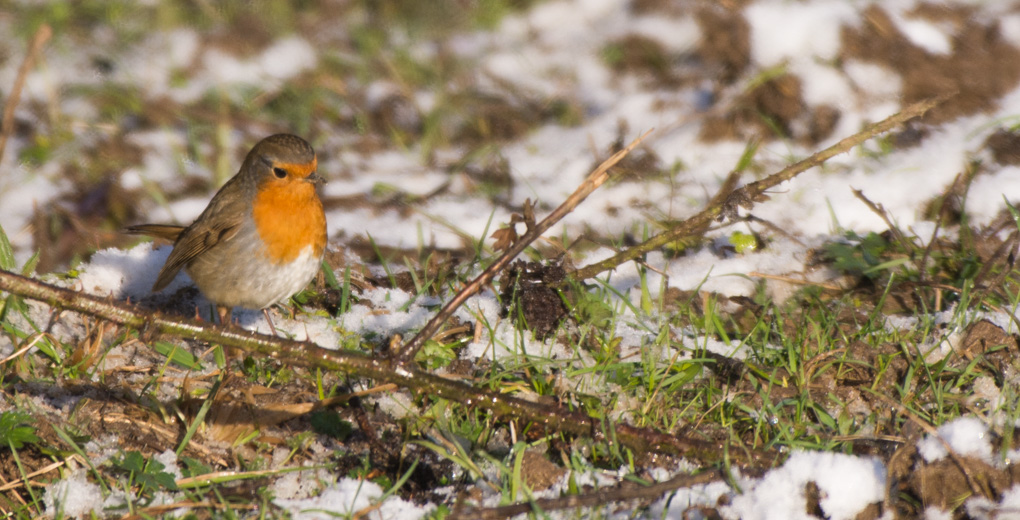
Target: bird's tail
164, 231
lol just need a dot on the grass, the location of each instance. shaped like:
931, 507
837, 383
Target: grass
799, 382
843, 369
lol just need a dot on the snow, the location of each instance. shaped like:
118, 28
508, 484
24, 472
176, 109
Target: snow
387, 311
783, 31
780, 493
74, 496
981, 508
347, 497
126, 274
29, 187
966, 436
288, 58
923, 34
1009, 26
934, 513
161, 165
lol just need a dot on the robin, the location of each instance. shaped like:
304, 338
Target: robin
262, 236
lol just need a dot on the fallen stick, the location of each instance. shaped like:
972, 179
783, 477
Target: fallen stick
750, 194
380, 368
596, 178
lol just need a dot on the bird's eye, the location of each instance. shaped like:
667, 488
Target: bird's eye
279, 172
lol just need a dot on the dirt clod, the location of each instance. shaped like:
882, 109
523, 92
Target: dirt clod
538, 472
944, 484
773, 109
528, 295
980, 67
1005, 147
725, 43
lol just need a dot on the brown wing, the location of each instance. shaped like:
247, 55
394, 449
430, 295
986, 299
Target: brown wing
220, 221
165, 231
194, 241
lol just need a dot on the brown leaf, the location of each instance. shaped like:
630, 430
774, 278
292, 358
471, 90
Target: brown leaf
529, 214
504, 237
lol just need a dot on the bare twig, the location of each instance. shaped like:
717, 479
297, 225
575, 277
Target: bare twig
922, 266
45, 469
42, 34
149, 512
405, 356
729, 184
752, 193
599, 497
879, 210
27, 345
792, 280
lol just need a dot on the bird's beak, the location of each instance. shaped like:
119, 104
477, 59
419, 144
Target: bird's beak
315, 178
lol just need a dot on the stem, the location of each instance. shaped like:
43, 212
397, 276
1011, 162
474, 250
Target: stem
380, 368
750, 194
596, 178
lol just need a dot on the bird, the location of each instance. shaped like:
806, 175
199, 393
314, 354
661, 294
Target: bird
262, 237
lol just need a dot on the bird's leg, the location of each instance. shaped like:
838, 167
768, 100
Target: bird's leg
225, 314
269, 321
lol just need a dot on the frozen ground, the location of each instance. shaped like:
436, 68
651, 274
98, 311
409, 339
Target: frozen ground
817, 70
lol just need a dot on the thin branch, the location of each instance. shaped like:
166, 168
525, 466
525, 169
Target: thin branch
624, 492
46, 469
149, 512
753, 193
405, 356
792, 280
42, 34
381, 368
879, 210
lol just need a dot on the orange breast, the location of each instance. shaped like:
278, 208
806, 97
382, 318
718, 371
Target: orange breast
288, 217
